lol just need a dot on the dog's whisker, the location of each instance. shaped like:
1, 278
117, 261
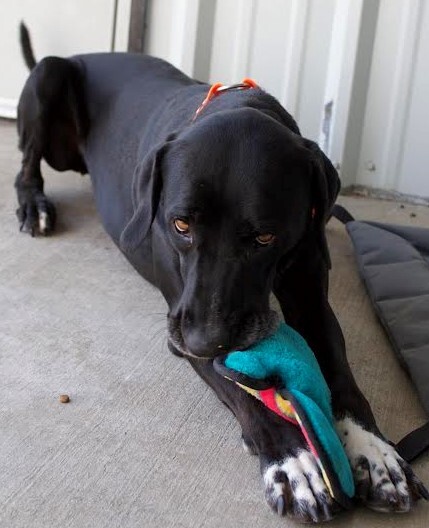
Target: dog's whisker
157, 335
157, 317
164, 347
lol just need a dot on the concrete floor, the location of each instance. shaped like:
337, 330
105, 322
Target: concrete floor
143, 442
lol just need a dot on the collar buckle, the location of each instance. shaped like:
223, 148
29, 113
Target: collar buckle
219, 88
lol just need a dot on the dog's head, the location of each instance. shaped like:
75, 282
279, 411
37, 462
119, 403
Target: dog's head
235, 193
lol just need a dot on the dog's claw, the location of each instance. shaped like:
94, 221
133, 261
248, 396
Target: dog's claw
362, 488
281, 506
326, 513
405, 502
393, 501
314, 514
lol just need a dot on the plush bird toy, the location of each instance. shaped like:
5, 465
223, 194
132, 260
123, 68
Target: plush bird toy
283, 373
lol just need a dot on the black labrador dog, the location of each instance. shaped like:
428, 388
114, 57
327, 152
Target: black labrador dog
218, 206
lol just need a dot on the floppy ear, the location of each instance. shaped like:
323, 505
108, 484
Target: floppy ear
326, 186
146, 193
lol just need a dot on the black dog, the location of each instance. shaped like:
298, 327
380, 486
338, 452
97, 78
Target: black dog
217, 209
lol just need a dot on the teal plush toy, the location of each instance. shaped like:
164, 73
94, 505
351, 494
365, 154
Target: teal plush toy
283, 373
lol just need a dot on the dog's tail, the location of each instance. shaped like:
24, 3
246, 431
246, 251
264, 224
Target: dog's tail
27, 49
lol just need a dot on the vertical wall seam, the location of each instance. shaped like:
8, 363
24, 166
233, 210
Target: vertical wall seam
393, 152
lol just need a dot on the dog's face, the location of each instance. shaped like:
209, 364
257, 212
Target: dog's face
233, 193
236, 199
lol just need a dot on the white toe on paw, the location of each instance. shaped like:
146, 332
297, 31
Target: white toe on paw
296, 486
43, 221
377, 468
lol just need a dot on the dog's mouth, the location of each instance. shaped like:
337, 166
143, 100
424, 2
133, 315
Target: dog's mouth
177, 345
245, 333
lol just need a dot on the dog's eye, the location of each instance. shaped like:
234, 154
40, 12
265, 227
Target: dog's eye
265, 239
182, 226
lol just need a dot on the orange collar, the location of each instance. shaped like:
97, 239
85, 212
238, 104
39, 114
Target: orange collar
219, 88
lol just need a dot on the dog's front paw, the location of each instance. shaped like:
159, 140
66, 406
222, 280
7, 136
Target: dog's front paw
36, 214
294, 486
384, 481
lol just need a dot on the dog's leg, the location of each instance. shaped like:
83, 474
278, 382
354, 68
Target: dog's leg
292, 480
50, 126
35, 212
384, 481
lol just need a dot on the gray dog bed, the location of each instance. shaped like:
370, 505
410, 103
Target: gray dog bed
393, 262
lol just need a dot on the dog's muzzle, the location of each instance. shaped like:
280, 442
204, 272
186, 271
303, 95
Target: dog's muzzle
203, 342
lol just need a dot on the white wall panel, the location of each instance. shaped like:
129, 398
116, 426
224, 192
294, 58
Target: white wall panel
172, 29
159, 20
61, 28
346, 83
413, 177
225, 36
392, 153
283, 45
267, 52
122, 26
314, 68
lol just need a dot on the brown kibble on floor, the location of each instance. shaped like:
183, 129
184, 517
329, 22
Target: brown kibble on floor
64, 398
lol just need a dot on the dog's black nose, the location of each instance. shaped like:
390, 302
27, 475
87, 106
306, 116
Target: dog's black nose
198, 343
